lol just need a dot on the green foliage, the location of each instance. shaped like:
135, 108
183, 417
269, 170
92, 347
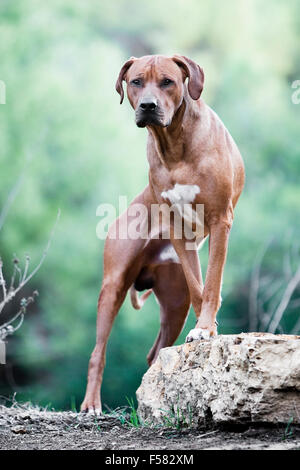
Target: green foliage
178, 418
288, 432
134, 419
63, 129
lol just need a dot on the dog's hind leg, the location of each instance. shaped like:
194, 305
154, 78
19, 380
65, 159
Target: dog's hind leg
171, 291
121, 266
111, 297
122, 263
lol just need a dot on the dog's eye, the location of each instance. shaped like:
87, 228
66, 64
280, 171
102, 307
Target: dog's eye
166, 82
136, 82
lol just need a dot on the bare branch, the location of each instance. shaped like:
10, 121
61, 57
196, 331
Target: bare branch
2, 281
8, 328
254, 290
294, 303
270, 297
26, 268
296, 329
25, 279
287, 265
290, 289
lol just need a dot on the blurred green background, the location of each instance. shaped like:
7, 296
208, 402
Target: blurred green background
63, 129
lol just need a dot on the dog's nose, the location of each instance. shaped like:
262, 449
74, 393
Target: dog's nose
148, 104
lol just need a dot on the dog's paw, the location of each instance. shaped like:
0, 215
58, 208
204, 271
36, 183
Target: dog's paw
198, 334
94, 410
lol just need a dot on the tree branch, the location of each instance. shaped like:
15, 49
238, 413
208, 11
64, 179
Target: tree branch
290, 289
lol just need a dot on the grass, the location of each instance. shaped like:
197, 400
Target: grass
128, 415
73, 404
134, 418
176, 418
288, 432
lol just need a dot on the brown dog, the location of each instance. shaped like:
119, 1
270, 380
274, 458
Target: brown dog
193, 160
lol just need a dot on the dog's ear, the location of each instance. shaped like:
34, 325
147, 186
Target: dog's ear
194, 73
119, 84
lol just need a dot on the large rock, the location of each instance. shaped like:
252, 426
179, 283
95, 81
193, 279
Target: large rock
252, 377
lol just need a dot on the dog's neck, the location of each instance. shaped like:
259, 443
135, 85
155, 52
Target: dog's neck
170, 141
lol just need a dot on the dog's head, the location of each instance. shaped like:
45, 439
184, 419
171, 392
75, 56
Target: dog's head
155, 86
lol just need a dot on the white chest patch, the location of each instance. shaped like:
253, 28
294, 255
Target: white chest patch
169, 254
181, 198
181, 193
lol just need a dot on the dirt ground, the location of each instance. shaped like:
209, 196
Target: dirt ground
26, 427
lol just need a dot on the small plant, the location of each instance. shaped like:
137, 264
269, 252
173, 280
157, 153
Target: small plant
127, 415
288, 432
176, 418
134, 419
119, 413
73, 404
19, 278
122, 417
97, 425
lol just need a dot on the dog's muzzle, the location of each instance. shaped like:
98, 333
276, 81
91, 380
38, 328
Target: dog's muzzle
148, 112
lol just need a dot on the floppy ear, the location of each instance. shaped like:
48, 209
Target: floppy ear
194, 73
119, 84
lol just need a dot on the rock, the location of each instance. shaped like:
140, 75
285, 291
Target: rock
19, 430
25, 416
3, 423
245, 378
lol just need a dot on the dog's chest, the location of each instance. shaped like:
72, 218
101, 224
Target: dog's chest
181, 198
181, 194
179, 185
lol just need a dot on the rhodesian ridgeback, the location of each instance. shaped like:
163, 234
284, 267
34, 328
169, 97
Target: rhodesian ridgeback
192, 160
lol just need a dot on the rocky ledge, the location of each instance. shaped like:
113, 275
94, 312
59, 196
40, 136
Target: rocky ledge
245, 378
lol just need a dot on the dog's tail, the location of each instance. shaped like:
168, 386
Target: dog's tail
138, 302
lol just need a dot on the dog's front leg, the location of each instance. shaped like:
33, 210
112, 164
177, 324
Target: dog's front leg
218, 244
192, 270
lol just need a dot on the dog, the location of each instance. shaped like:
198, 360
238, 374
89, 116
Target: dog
192, 160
